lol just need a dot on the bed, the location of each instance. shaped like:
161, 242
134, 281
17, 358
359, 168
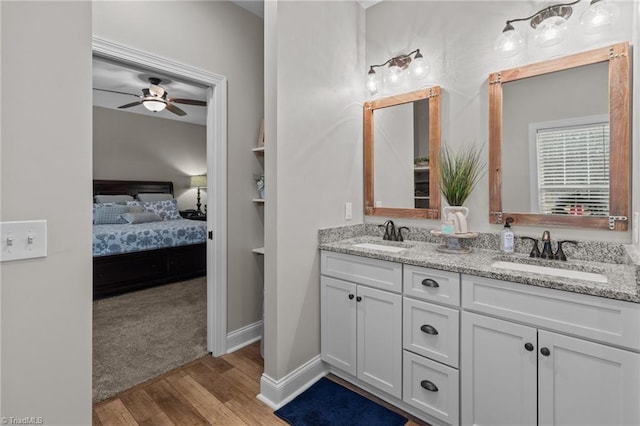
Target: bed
128, 257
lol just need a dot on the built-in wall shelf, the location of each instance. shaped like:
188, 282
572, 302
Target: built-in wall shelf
258, 200
259, 250
421, 169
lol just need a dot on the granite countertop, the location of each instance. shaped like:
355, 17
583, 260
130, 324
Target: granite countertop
621, 279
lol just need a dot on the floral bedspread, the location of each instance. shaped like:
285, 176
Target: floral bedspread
116, 239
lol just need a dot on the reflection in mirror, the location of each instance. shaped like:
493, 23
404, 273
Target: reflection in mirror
401, 142
559, 141
401, 135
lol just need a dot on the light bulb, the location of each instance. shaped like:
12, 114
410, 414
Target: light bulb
153, 105
600, 16
394, 74
419, 66
509, 43
551, 31
372, 82
156, 90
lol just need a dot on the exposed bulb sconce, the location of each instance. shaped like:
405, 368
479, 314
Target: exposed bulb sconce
600, 15
550, 25
399, 66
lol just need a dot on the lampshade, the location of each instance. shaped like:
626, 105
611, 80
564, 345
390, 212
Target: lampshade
199, 181
154, 106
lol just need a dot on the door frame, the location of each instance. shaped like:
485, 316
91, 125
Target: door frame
216, 174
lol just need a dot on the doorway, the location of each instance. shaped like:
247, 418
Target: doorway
216, 138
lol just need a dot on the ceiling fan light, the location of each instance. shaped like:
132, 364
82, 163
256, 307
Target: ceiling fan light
156, 90
154, 105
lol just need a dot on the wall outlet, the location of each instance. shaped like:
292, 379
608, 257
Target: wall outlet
378, 203
348, 211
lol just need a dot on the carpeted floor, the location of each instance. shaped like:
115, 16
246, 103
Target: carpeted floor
140, 335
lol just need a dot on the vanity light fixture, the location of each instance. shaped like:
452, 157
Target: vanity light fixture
550, 25
400, 65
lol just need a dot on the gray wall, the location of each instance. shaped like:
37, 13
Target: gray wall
219, 37
130, 146
46, 174
314, 92
457, 39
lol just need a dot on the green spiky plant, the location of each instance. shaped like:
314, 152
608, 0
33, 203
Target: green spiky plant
460, 172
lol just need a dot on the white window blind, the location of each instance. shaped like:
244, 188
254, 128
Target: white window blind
573, 169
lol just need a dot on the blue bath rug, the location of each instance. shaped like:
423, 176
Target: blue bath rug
327, 403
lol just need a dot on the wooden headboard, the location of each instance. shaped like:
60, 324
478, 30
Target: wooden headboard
131, 187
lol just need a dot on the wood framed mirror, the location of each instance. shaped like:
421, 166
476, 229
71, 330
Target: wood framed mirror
559, 135
398, 132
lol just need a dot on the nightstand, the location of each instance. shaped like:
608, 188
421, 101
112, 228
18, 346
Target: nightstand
193, 215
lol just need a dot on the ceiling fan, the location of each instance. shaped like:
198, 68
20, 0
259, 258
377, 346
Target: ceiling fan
155, 99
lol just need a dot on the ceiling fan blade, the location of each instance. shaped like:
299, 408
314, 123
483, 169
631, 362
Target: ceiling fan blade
115, 91
188, 102
130, 105
174, 109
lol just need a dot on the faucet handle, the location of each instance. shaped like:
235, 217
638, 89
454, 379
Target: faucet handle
535, 251
400, 236
559, 253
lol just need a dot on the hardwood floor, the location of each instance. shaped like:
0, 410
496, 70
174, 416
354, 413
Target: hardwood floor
207, 391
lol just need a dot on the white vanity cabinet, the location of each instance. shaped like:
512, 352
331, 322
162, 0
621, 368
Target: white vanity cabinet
362, 324
523, 374
431, 342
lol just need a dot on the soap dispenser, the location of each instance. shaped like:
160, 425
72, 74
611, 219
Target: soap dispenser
506, 237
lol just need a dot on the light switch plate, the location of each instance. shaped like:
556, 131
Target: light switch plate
348, 211
23, 240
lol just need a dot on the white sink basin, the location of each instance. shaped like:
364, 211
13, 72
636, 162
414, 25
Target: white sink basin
380, 247
548, 270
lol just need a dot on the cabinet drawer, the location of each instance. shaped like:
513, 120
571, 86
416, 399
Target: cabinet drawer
376, 273
431, 387
605, 320
432, 285
431, 330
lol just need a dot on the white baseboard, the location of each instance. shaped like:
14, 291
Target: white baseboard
244, 336
276, 393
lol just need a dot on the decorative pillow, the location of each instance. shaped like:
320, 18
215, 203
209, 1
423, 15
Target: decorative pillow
154, 197
135, 208
167, 210
96, 205
109, 214
142, 217
113, 198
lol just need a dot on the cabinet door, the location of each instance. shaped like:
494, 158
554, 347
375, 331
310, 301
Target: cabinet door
498, 372
380, 339
338, 323
585, 383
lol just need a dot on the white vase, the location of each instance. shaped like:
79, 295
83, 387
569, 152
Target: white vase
457, 215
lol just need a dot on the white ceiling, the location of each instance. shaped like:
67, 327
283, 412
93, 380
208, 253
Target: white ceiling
122, 78
257, 6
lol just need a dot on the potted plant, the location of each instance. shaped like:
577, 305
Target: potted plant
421, 162
459, 173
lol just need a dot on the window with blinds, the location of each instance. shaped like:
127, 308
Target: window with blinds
573, 169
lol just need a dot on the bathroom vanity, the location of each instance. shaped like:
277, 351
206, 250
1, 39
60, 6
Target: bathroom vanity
455, 340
